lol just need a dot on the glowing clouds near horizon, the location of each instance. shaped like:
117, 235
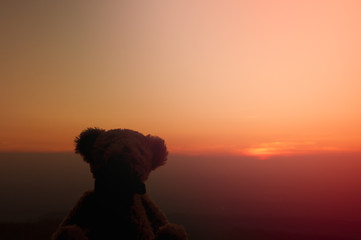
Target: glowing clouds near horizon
266, 150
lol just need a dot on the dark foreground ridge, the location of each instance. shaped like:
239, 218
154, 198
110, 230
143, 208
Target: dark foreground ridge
305, 197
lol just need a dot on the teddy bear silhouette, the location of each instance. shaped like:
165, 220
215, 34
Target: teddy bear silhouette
119, 207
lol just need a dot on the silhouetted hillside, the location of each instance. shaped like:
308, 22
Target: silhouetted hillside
40, 230
304, 197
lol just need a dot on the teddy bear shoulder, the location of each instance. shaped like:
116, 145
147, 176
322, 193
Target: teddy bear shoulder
80, 212
155, 215
88, 204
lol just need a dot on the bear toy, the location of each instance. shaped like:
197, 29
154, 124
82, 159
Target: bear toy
118, 207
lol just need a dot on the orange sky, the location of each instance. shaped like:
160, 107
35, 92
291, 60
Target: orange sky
238, 77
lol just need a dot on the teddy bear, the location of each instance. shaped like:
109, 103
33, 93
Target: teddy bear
119, 208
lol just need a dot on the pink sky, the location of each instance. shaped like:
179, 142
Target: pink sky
236, 77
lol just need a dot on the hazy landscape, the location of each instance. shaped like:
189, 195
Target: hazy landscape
214, 197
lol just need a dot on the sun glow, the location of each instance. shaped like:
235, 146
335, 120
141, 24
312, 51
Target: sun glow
266, 150
261, 153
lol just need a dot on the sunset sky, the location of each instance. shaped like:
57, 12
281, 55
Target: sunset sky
252, 77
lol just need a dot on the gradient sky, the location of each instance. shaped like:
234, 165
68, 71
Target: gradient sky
236, 77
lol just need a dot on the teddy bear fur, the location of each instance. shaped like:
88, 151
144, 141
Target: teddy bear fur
118, 207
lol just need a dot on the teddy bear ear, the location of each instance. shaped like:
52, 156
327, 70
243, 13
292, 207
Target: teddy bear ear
84, 143
159, 151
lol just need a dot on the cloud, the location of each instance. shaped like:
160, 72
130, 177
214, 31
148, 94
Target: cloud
266, 150
261, 151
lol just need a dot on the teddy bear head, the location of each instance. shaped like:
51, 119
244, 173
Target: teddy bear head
121, 158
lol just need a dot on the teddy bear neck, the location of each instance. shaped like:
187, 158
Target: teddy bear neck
109, 194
